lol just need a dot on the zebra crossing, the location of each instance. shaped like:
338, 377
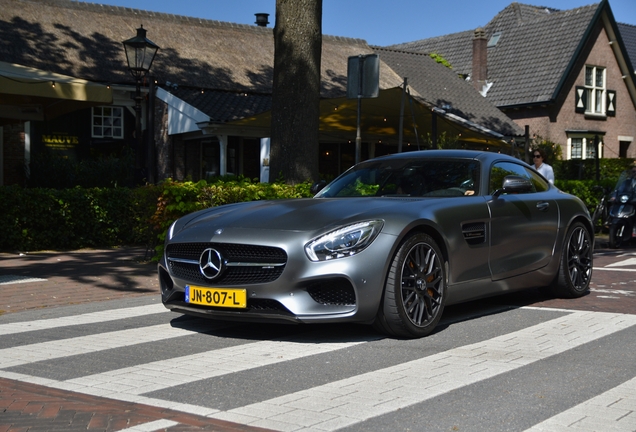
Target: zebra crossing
325, 378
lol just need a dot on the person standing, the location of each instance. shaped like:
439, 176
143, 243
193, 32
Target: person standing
538, 156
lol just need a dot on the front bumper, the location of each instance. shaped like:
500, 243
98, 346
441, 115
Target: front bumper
300, 291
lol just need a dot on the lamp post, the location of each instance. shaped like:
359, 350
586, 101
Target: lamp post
140, 52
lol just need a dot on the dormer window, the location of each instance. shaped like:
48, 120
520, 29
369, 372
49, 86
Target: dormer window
493, 39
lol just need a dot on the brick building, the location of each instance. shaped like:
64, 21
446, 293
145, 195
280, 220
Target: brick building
566, 74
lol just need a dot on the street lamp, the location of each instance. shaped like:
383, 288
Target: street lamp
140, 52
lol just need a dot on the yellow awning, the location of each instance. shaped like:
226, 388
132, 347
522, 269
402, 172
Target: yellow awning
380, 120
33, 94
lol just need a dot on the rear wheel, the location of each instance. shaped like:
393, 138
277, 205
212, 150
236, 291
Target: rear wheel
415, 290
575, 270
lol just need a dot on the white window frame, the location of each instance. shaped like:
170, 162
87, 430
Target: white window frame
107, 122
596, 93
587, 146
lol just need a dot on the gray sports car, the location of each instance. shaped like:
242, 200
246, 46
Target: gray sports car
390, 242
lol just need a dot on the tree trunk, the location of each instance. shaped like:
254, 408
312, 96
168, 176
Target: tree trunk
296, 91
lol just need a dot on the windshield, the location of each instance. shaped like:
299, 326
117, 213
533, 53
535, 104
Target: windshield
404, 177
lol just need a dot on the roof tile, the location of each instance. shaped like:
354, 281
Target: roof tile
533, 53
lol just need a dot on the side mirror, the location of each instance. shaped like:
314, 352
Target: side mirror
317, 187
513, 184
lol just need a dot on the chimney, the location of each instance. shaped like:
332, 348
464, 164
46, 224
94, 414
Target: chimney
480, 60
262, 19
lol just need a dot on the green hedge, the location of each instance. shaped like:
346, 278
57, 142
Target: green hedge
64, 219
39, 219
577, 169
584, 189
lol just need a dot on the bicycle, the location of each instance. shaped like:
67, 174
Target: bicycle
601, 211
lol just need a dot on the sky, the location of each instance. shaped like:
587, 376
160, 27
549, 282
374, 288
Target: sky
379, 22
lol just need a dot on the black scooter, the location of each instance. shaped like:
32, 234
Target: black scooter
622, 211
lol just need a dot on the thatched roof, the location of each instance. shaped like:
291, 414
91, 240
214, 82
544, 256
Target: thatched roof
223, 69
84, 40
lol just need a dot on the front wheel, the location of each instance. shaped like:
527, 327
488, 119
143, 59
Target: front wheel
617, 234
415, 290
575, 270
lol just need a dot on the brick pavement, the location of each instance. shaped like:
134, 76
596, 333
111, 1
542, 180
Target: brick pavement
31, 407
66, 278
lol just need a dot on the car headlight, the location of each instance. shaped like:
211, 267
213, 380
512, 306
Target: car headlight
170, 232
344, 242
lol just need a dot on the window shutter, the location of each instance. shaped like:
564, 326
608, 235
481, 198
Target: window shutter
580, 105
610, 109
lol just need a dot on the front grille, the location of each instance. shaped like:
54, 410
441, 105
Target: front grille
246, 255
332, 292
266, 305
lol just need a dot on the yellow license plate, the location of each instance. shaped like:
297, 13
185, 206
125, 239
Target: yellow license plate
221, 297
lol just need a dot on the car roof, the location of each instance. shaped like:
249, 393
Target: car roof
449, 154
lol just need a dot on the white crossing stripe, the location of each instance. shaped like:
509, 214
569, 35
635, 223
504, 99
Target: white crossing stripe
151, 426
13, 279
614, 410
140, 379
627, 262
159, 403
612, 291
615, 269
359, 398
20, 355
88, 318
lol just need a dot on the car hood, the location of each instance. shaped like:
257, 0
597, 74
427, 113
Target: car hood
288, 215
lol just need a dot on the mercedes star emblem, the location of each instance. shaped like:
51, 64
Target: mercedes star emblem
211, 263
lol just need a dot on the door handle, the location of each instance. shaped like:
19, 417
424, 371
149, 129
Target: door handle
543, 206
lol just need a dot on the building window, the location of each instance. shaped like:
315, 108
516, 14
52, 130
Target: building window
583, 147
577, 148
493, 39
595, 86
108, 122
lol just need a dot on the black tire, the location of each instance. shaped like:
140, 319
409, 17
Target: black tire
615, 237
415, 290
575, 269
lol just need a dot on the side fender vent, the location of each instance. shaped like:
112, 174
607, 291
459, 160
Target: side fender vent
474, 233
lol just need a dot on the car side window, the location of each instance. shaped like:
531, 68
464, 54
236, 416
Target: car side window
500, 170
539, 183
